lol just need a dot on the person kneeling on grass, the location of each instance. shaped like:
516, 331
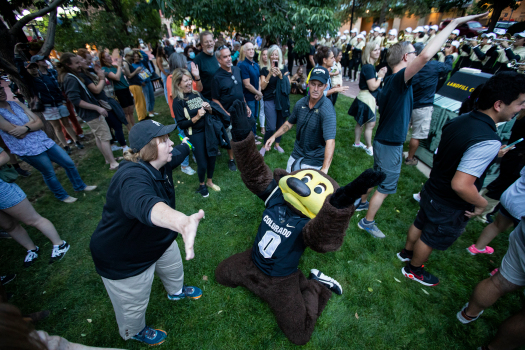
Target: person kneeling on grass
136, 236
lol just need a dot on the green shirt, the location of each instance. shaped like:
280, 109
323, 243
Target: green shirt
118, 85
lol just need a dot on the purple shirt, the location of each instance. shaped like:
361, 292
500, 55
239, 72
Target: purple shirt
33, 144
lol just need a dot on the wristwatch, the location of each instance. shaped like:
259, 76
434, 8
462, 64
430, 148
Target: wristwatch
28, 128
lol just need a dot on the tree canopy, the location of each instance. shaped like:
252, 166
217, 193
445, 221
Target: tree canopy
275, 19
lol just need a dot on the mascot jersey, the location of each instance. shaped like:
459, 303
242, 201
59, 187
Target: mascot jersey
279, 242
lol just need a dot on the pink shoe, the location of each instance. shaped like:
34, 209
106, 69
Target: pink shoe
474, 251
279, 149
493, 272
262, 151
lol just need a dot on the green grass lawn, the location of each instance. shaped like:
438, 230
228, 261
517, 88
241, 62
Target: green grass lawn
379, 309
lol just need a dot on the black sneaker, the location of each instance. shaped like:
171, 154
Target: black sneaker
22, 172
423, 277
6, 279
327, 281
31, 256
59, 252
203, 190
404, 256
79, 145
68, 150
231, 165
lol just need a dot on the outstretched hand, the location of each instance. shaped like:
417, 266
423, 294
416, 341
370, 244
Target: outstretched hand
241, 124
189, 232
346, 196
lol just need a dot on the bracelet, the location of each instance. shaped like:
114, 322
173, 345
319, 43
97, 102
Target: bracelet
28, 128
196, 79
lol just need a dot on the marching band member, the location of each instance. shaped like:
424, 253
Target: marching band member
508, 53
408, 34
432, 32
419, 35
356, 56
454, 35
478, 53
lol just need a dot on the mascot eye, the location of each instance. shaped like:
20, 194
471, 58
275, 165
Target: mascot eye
319, 189
307, 178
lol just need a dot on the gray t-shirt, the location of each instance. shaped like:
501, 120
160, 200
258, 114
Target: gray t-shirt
478, 157
314, 127
513, 199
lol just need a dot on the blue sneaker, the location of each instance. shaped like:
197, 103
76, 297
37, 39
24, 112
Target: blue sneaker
362, 206
371, 228
151, 336
187, 292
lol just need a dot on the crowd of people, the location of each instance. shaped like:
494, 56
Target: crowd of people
207, 85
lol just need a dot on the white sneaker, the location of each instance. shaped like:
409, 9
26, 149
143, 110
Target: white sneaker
115, 148
151, 115
59, 252
90, 188
360, 145
347, 79
69, 199
126, 148
369, 151
68, 142
417, 197
352, 80
187, 170
327, 281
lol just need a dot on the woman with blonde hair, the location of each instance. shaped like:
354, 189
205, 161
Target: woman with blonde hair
364, 106
263, 61
191, 110
274, 72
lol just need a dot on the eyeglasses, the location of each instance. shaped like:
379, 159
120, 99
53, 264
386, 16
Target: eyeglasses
234, 80
222, 47
414, 52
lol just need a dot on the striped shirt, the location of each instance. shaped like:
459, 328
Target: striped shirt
314, 127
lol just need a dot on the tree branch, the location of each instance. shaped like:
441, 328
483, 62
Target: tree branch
49, 43
26, 19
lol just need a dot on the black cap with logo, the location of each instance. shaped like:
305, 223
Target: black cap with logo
320, 74
145, 131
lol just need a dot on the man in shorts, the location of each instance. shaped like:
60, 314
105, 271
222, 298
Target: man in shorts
469, 144
510, 277
395, 107
424, 85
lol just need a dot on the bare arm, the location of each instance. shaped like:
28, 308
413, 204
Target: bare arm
162, 215
249, 87
4, 158
435, 45
311, 58
115, 76
282, 130
127, 72
196, 75
86, 105
97, 89
21, 131
159, 64
217, 102
463, 184
328, 155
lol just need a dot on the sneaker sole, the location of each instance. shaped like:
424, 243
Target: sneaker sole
412, 277
185, 297
401, 258
468, 250
356, 209
362, 228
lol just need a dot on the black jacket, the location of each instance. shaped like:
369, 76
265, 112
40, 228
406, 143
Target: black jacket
125, 242
282, 97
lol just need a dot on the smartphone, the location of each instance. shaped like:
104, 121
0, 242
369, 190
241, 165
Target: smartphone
514, 143
275, 64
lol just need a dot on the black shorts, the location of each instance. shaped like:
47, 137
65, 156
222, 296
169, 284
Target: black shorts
506, 214
124, 97
441, 225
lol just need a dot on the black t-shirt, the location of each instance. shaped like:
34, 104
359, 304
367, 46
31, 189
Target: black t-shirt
269, 92
192, 102
87, 80
227, 87
368, 72
290, 43
279, 243
208, 66
308, 64
395, 106
125, 242
136, 80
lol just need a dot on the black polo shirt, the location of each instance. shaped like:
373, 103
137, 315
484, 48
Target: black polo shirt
208, 66
314, 127
125, 242
227, 87
279, 242
308, 64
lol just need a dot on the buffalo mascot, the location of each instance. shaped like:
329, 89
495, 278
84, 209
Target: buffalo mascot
304, 208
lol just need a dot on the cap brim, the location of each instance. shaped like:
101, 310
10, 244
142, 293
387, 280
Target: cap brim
166, 129
321, 80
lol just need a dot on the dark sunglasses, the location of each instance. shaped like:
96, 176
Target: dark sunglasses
222, 47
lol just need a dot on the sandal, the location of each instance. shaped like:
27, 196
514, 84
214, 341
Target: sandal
114, 169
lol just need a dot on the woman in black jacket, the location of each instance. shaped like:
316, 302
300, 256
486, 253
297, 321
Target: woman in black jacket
190, 109
135, 239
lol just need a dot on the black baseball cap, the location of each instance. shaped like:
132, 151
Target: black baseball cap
320, 74
145, 131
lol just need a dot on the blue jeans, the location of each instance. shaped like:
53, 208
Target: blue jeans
253, 106
149, 94
42, 163
186, 161
165, 81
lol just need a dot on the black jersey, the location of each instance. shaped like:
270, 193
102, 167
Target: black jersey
279, 243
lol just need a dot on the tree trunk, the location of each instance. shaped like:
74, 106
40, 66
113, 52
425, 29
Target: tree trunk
8, 14
383, 12
49, 43
499, 6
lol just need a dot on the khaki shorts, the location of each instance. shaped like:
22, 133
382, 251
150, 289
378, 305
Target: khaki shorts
100, 128
55, 113
420, 121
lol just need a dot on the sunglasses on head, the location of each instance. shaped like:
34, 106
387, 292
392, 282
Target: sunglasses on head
222, 47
